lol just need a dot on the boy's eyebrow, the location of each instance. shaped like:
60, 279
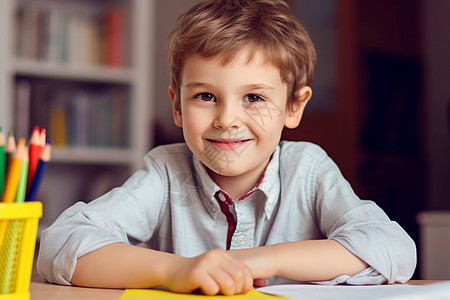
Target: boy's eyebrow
197, 84
258, 86
251, 86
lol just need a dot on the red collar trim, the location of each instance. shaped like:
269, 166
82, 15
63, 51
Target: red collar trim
228, 199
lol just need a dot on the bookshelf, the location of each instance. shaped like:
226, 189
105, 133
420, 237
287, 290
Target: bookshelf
81, 69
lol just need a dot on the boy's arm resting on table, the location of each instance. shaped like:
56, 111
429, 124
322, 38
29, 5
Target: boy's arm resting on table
361, 227
311, 260
121, 265
127, 212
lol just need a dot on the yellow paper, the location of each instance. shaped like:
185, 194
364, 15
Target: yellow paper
138, 294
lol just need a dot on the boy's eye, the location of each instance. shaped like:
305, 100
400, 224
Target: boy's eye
206, 97
253, 98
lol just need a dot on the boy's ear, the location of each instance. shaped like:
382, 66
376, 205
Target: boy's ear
176, 108
295, 111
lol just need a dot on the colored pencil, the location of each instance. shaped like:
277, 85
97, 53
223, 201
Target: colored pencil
34, 153
43, 137
2, 161
10, 149
22, 187
43, 160
14, 172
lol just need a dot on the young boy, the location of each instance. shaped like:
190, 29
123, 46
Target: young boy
233, 207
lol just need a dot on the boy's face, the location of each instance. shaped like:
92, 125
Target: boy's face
232, 115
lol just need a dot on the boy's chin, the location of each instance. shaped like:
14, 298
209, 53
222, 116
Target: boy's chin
215, 170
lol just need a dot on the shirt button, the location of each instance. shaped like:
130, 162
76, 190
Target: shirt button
213, 208
241, 239
222, 197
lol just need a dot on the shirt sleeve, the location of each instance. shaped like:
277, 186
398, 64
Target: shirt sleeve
127, 214
363, 228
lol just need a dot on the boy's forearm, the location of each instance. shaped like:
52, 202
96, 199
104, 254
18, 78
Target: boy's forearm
318, 260
122, 266
125, 266
312, 260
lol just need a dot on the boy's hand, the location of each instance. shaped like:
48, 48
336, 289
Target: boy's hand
212, 272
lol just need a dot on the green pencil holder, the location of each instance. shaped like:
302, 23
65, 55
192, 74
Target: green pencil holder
18, 231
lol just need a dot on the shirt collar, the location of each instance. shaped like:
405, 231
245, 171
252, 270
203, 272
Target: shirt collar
209, 187
269, 185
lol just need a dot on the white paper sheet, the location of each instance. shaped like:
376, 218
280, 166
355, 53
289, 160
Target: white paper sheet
434, 291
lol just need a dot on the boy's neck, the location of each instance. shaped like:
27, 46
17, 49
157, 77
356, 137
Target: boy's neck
237, 186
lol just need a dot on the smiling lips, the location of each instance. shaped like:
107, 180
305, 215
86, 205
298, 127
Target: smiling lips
229, 144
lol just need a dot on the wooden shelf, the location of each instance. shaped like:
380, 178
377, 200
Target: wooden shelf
65, 71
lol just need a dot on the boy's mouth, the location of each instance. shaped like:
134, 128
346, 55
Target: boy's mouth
228, 144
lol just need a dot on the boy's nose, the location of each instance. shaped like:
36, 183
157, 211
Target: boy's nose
227, 116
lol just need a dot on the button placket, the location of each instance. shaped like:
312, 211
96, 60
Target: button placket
243, 235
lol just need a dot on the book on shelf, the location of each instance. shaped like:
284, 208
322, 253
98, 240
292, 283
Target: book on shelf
57, 34
22, 120
78, 116
114, 37
88, 121
58, 121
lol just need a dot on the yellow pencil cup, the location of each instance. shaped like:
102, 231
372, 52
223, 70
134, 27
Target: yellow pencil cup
18, 231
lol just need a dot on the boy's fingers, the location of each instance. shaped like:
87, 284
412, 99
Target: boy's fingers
240, 274
243, 278
243, 275
231, 279
248, 286
209, 286
224, 280
221, 273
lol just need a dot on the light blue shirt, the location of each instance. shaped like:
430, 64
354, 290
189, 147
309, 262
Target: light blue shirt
171, 205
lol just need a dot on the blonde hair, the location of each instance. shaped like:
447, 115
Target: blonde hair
221, 28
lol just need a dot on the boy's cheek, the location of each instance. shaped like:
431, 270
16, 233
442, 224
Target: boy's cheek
265, 114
